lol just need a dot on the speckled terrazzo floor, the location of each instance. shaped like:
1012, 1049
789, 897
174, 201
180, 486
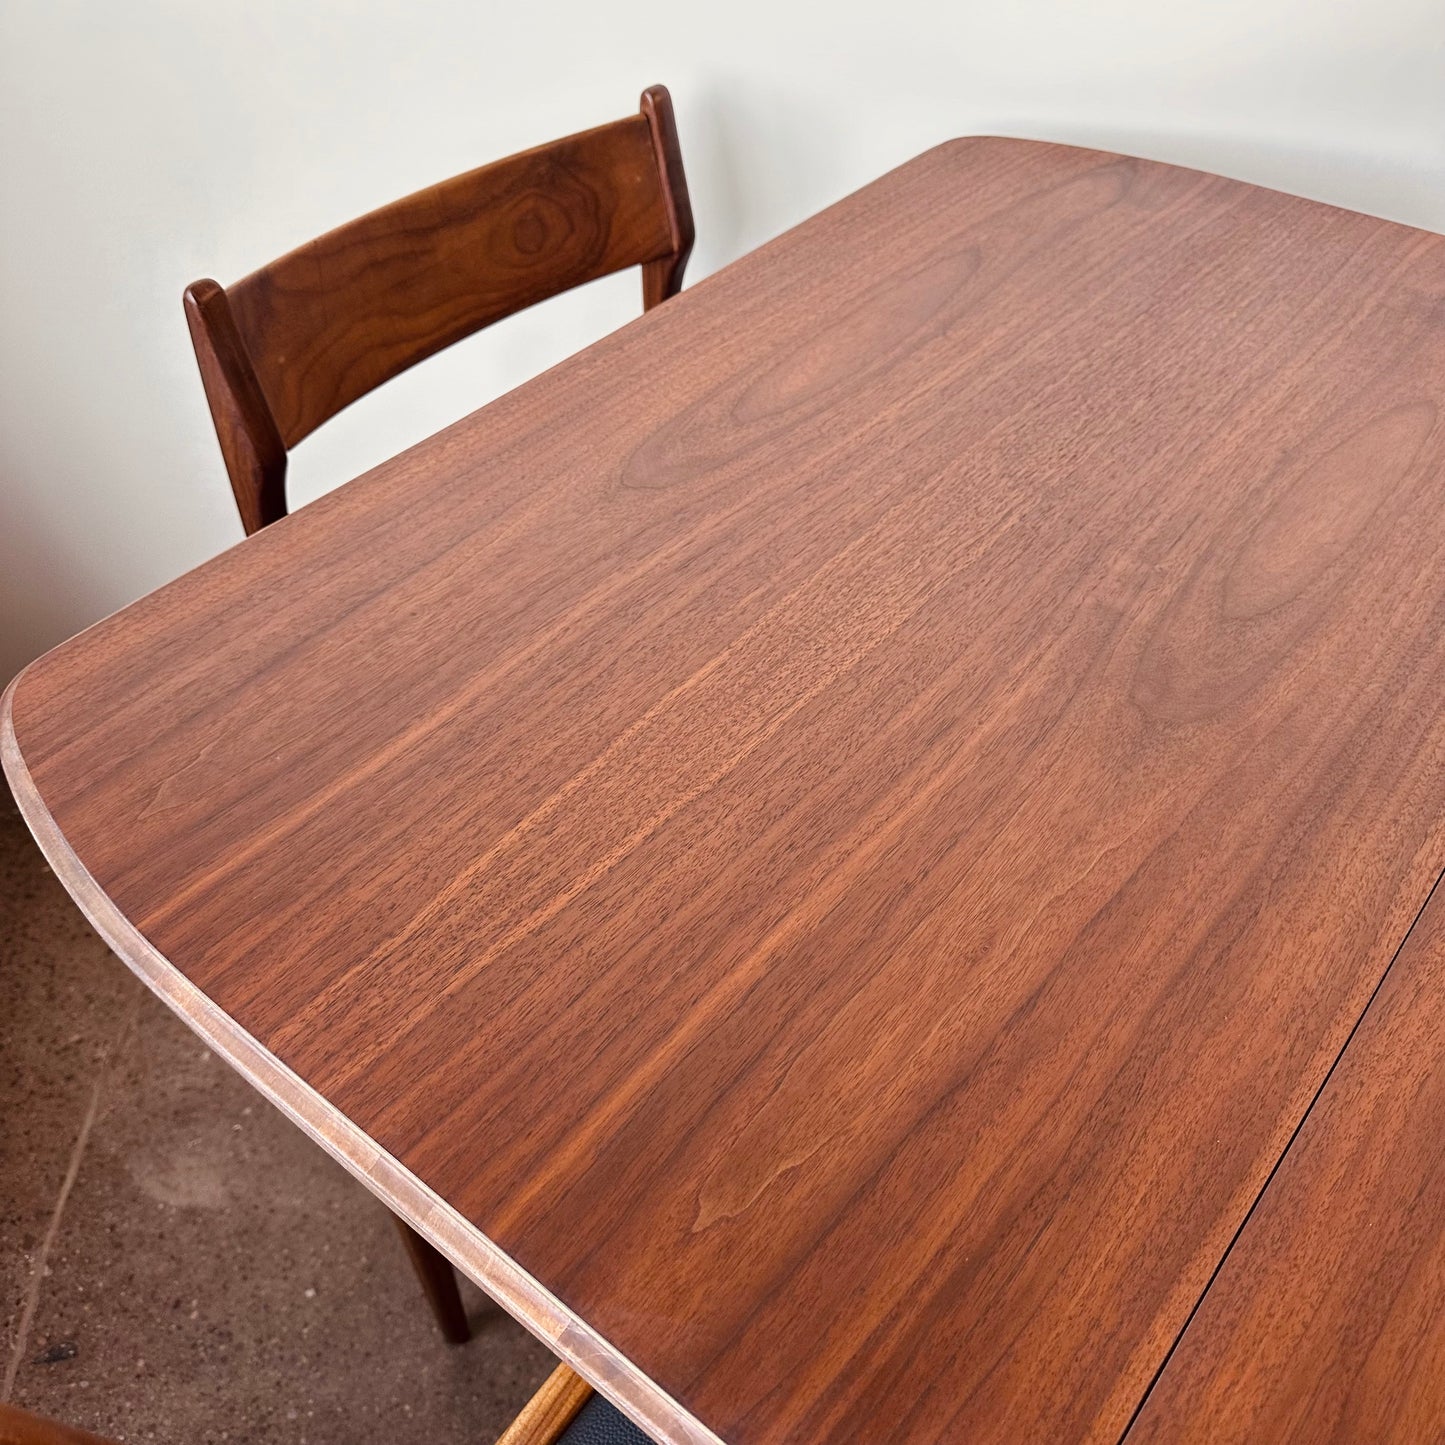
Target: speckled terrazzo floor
178, 1263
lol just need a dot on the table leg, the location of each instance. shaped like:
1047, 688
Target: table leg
438, 1282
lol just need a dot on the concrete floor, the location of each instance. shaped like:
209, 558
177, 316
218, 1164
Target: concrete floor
178, 1263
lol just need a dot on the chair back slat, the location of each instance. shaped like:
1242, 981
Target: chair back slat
330, 321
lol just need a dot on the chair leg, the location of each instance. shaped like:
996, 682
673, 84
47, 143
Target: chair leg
438, 1282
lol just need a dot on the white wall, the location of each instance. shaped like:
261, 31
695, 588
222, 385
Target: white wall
148, 143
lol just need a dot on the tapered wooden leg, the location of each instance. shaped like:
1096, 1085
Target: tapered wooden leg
439, 1284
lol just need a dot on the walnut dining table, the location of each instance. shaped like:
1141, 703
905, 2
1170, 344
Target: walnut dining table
858, 854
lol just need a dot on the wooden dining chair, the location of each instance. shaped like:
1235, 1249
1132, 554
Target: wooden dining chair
563, 1412
287, 347
566, 1411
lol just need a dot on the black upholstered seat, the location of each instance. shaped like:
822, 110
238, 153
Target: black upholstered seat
598, 1423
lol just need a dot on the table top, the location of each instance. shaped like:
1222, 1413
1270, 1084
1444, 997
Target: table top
823, 849
1326, 1322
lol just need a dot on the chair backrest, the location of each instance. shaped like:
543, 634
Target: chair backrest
290, 345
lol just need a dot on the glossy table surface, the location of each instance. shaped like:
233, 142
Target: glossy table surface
825, 849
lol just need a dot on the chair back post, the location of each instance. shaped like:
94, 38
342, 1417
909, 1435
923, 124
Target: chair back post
251, 445
663, 278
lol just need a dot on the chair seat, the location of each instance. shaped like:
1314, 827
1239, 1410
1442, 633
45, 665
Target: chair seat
598, 1423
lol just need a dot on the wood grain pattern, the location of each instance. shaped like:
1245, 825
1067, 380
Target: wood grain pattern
1327, 1322
842, 854
284, 349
